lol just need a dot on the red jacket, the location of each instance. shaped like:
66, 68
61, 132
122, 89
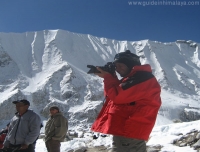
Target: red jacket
131, 105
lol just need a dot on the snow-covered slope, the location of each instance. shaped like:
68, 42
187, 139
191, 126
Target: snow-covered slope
50, 68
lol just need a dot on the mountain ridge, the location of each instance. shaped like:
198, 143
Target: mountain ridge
49, 68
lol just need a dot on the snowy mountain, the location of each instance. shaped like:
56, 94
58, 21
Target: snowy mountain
50, 68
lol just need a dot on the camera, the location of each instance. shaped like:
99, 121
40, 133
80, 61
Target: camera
109, 67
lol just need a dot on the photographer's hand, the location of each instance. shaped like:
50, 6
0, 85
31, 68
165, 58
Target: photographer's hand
102, 74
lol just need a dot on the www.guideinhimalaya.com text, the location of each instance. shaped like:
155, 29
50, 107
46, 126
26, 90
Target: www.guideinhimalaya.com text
163, 2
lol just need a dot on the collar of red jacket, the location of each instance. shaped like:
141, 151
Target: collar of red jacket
136, 68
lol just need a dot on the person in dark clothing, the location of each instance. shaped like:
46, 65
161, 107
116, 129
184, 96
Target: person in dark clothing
24, 129
5, 130
3, 134
131, 106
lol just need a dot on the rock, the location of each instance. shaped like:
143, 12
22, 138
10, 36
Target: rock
196, 145
155, 148
183, 144
198, 136
190, 138
82, 149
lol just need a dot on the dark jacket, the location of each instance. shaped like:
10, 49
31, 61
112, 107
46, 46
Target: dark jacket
131, 105
56, 128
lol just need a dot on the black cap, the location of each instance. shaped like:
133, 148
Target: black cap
24, 101
128, 58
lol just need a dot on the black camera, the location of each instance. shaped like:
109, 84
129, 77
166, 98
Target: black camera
109, 67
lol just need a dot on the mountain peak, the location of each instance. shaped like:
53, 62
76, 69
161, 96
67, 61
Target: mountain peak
50, 67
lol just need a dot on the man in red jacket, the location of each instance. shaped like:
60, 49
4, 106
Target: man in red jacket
131, 106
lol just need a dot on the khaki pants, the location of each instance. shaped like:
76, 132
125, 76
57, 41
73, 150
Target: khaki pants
53, 145
122, 144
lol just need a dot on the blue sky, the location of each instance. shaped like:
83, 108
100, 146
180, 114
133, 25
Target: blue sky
114, 19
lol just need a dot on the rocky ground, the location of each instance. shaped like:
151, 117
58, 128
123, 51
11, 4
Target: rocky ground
191, 139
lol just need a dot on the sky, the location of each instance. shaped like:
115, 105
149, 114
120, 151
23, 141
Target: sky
113, 19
